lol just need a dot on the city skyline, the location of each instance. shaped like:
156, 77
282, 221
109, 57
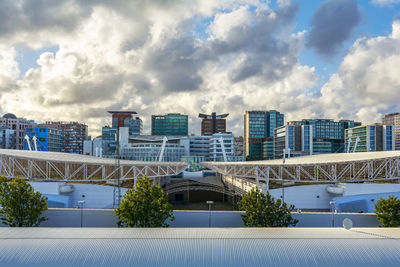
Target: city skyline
74, 60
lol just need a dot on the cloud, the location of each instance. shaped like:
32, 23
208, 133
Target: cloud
332, 24
385, 2
145, 56
367, 83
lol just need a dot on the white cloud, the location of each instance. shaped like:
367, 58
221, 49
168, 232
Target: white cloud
386, 2
367, 83
142, 55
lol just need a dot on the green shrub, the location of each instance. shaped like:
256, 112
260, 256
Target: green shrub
145, 205
21, 205
263, 211
388, 211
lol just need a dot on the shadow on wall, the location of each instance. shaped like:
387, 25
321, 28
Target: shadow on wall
107, 218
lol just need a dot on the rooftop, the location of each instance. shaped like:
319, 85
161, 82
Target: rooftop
76, 158
199, 247
320, 159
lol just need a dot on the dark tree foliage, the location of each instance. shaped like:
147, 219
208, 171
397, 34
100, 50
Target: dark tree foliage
21, 206
388, 211
145, 205
263, 211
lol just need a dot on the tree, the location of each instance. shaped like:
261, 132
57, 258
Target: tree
388, 211
145, 205
263, 211
21, 205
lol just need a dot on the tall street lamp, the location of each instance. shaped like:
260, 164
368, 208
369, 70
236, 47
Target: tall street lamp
210, 203
332, 203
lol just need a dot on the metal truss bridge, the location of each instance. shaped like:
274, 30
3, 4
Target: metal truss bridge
329, 168
54, 166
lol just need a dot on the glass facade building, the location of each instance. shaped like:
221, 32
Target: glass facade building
259, 128
373, 137
296, 140
169, 124
47, 138
108, 135
393, 119
327, 131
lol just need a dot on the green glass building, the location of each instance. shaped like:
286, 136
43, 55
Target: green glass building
169, 124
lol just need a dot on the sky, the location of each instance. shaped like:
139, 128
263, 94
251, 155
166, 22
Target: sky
73, 60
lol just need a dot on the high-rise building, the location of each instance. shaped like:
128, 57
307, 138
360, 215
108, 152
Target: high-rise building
296, 140
119, 119
73, 135
328, 135
125, 119
169, 124
393, 119
7, 138
213, 123
258, 128
373, 137
216, 149
200, 146
47, 138
108, 136
18, 125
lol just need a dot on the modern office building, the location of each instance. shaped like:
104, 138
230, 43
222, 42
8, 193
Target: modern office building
93, 147
73, 135
373, 137
126, 119
213, 123
200, 146
108, 135
296, 140
47, 138
328, 135
148, 148
258, 128
169, 124
119, 119
209, 147
268, 149
18, 125
393, 119
216, 149
7, 138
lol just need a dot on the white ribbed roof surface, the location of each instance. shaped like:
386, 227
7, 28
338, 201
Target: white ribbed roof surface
320, 159
199, 247
76, 158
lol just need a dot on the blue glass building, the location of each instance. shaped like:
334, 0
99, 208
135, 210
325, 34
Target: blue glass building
296, 140
328, 135
47, 138
259, 132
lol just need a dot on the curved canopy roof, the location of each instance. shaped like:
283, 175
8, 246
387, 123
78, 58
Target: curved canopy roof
321, 159
65, 166
350, 167
77, 158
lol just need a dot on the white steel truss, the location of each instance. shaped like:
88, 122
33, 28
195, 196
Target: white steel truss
345, 171
58, 170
